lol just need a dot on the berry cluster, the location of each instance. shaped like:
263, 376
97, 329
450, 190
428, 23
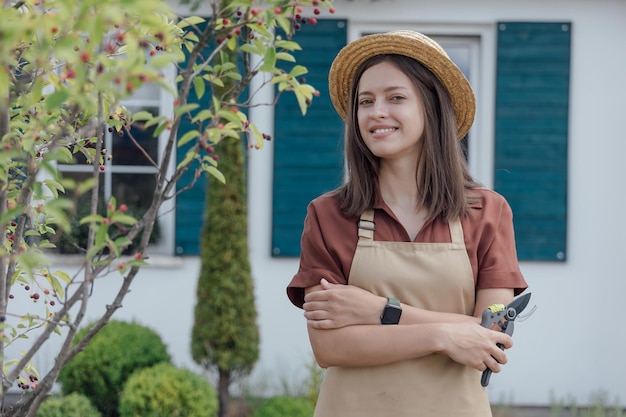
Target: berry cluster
28, 382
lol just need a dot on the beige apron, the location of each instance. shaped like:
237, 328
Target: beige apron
432, 276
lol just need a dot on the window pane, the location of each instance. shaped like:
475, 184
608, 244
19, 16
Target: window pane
134, 190
124, 146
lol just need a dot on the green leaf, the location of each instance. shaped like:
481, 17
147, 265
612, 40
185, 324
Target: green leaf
191, 20
269, 60
123, 219
54, 187
284, 23
199, 87
202, 116
190, 156
288, 45
185, 108
142, 115
54, 100
215, 173
284, 56
91, 218
297, 71
187, 137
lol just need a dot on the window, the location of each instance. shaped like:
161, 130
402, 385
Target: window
129, 174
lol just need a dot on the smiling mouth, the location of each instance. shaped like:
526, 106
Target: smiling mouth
386, 130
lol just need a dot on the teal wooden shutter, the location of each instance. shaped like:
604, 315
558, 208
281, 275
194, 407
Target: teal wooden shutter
308, 150
190, 203
531, 134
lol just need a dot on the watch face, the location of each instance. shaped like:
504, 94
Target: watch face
391, 314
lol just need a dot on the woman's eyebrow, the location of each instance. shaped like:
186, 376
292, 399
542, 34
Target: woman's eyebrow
386, 90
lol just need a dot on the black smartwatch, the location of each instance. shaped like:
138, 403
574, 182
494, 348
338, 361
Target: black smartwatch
392, 312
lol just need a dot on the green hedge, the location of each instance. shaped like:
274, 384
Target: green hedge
100, 371
72, 405
166, 391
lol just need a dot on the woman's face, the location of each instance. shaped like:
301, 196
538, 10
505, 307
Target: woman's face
390, 112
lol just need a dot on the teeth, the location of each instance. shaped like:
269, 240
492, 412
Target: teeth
387, 130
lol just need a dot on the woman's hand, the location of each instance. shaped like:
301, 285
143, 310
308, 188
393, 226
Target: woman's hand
473, 345
332, 306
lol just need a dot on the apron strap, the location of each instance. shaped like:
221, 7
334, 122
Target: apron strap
456, 232
366, 225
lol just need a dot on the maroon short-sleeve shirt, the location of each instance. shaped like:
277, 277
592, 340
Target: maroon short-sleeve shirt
329, 242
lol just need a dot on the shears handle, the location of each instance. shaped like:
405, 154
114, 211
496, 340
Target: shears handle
484, 379
487, 320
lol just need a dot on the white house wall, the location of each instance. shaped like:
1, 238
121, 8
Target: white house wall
574, 344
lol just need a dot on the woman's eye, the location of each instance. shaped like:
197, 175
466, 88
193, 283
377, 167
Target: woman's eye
397, 98
364, 102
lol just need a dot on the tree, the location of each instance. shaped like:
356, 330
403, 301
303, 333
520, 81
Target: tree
225, 335
65, 67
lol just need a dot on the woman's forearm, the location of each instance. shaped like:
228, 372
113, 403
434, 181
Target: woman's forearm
372, 345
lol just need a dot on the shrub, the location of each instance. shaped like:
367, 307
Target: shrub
166, 391
282, 406
72, 405
100, 371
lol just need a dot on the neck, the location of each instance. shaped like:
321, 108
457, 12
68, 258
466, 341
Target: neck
397, 184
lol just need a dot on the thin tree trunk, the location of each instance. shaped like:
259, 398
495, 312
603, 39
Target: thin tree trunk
223, 393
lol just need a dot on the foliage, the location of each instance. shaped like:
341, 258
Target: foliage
283, 406
76, 238
165, 391
72, 405
599, 405
65, 68
101, 370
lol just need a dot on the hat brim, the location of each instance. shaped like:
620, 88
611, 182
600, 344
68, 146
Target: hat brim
414, 45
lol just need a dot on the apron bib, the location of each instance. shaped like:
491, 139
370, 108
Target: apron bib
432, 276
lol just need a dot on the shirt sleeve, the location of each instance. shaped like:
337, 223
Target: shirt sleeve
498, 266
317, 259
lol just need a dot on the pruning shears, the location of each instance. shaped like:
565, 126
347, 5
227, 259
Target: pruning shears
504, 316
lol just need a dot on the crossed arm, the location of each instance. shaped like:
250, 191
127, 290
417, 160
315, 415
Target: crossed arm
344, 329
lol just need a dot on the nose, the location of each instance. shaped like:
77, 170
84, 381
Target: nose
379, 109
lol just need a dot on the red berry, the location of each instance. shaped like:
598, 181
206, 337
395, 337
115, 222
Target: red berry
138, 256
316, 11
123, 208
84, 56
331, 10
313, 21
102, 168
215, 157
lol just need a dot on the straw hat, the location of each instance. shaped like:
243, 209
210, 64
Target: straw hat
414, 45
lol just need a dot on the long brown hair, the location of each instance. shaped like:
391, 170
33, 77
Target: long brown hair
442, 177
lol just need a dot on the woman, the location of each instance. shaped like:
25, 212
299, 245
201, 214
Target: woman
398, 263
